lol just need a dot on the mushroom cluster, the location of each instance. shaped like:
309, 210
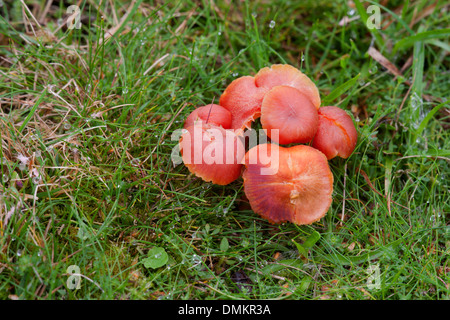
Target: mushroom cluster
289, 183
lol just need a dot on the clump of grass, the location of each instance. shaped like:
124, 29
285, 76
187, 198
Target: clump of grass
87, 179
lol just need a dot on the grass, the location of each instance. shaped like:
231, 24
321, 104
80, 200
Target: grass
88, 185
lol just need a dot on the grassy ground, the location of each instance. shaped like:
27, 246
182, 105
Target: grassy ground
88, 185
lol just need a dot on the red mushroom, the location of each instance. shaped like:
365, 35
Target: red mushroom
243, 99
244, 96
336, 134
288, 184
287, 75
211, 113
292, 113
212, 152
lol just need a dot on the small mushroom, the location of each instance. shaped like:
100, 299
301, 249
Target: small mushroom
212, 153
290, 112
211, 113
287, 75
336, 134
288, 184
243, 99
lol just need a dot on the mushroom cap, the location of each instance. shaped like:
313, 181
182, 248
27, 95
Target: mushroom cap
243, 99
212, 153
211, 113
288, 184
287, 75
292, 113
336, 134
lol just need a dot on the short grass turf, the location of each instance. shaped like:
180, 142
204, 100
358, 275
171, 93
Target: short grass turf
93, 207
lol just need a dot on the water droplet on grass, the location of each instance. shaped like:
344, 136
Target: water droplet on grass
417, 109
272, 24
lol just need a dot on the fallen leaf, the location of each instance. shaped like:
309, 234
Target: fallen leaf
378, 57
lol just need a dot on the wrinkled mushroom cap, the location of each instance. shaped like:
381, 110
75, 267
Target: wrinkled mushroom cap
288, 184
243, 99
212, 153
336, 134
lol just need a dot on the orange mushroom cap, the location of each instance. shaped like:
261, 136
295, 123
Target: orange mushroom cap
244, 96
336, 134
292, 113
243, 99
287, 75
212, 152
288, 184
211, 113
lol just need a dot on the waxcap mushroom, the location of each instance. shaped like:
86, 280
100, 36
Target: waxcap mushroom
211, 113
336, 135
299, 189
292, 113
287, 75
243, 99
212, 153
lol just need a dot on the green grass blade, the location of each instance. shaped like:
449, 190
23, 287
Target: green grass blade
307, 244
33, 110
340, 259
339, 91
428, 117
426, 35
